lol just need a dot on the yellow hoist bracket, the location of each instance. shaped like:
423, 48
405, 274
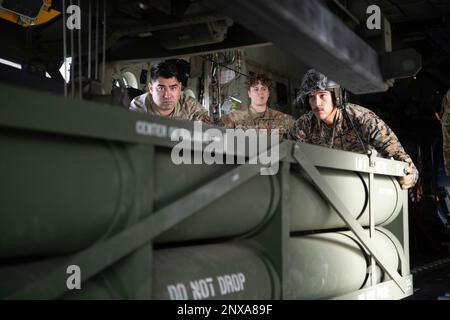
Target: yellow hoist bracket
28, 13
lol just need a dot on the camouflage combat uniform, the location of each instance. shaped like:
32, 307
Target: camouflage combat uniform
251, 119
186, 109
373, 131
445, 123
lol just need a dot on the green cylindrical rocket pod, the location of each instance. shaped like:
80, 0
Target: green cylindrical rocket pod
328, 265
79, 191
237, 212
128, 279
310, 211
216, 271
61, 194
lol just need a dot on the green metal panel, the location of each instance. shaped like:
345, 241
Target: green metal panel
324, 157
387, 290
330, 194
216, 271
236, 213
310, 211
326, 265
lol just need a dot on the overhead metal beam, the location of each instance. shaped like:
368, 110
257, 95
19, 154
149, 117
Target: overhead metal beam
313, 34
135, 49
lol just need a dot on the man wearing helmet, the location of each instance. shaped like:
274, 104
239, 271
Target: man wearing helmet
333, 123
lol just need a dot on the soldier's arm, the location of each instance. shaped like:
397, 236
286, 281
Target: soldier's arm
287, 125
445, 125
138, 103
226, 121
196, 110
384, 140
220, 122
201, 114
299, 129
290, 122
203, 117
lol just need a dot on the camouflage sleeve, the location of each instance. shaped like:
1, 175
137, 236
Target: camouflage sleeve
219, 123
300, 129
138, 103
202, 116
385, 142
226, 121
196, 110
445, 124
382, 138
137, 109
289, 123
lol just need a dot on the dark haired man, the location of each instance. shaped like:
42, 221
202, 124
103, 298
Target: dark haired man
164, 96
333, 123
259, 115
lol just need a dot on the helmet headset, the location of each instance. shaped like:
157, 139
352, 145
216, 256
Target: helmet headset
314, 81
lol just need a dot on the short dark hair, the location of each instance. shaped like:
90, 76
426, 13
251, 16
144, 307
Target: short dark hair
166, 70
254, 78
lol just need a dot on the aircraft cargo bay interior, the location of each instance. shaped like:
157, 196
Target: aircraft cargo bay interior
225, 150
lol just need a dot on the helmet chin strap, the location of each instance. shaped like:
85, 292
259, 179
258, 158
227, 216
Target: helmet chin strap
314, 80
340, 96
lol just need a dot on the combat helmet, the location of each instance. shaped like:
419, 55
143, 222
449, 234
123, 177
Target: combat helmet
314, 81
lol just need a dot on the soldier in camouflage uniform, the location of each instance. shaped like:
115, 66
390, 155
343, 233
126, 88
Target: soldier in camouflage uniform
259, 115
333, 123
165, 99
445, 123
